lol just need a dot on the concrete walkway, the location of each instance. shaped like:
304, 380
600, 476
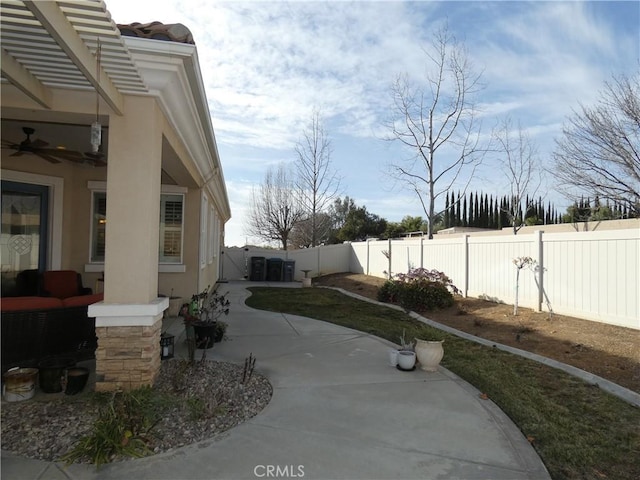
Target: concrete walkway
338, 411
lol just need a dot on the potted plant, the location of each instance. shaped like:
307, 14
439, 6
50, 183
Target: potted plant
174, 305
202, 319
406, 354
429, 353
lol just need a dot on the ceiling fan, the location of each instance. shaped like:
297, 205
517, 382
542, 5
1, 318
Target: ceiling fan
54, 155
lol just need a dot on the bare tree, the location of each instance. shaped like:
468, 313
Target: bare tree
275, 207
437, 123
317, 182
521, 166
599, 152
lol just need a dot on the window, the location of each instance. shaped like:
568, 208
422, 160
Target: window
171, 213
171, 224
211, 244
204, 212
98, 226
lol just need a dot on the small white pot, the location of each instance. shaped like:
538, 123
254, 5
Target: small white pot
393, 357
406, 360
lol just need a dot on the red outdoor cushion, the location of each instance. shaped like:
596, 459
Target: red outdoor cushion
60, 283
82, 300
16, 304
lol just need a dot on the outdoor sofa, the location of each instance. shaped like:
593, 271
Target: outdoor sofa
54, 323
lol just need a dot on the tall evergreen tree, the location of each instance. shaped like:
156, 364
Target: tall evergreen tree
465, 222
447, 212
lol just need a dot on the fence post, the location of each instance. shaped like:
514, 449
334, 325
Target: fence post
368, 240
389, 275
422, 251
465, 284
540, 272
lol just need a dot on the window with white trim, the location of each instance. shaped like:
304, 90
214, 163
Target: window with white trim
98, 226
171, 224
204, 213
212, 234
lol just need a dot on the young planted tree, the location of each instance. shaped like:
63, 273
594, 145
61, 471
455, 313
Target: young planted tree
276, 208
317, 182
435, 117
599, 151
521, 167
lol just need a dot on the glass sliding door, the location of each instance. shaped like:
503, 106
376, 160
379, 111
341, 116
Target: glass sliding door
23, 239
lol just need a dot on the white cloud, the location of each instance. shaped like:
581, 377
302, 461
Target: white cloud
267, 64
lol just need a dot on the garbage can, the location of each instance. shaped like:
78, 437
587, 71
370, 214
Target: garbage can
258, 269
288, 270
274, 270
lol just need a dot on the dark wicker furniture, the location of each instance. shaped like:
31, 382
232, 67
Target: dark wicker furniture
34, 328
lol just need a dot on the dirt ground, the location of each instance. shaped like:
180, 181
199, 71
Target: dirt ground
608, 351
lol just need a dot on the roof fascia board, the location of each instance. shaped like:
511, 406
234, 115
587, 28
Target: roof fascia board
25, 81
164, 65
57, 25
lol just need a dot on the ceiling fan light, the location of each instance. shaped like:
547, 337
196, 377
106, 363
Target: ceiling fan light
96, 136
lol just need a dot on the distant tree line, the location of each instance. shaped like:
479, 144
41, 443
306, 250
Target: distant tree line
350, 222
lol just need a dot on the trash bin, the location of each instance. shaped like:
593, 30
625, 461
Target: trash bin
274, 270
258, 269
288, 270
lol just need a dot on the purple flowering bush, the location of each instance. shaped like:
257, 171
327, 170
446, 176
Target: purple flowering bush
419, 289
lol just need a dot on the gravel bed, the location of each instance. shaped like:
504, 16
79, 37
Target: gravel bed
48, 426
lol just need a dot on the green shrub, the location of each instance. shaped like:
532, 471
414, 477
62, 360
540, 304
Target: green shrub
423, 295
388, 292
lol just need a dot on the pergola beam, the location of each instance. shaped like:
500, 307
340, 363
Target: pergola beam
55, 22
25, 81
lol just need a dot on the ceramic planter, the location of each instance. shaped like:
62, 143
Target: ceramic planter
52, 372
175, 303
19, 384
76, 380
429, 354
205, 334
406, 360
393, 357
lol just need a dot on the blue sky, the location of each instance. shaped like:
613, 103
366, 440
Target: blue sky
267, 65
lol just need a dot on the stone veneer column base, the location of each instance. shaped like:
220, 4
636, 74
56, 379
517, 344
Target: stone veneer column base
128, 354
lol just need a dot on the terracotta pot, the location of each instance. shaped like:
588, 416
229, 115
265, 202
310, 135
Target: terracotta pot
429, 354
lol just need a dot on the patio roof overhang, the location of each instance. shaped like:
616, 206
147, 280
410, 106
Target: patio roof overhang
47, 45
50, 47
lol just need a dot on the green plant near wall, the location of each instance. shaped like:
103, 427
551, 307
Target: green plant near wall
123, 426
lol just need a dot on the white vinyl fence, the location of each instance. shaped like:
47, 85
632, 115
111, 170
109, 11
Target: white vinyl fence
592, 275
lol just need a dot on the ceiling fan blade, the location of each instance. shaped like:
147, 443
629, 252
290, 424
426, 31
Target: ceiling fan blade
48, 158
62, 153
17, 154
37, 143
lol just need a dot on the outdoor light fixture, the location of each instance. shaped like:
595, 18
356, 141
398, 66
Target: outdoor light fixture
96, 136
96, 128
166, 346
